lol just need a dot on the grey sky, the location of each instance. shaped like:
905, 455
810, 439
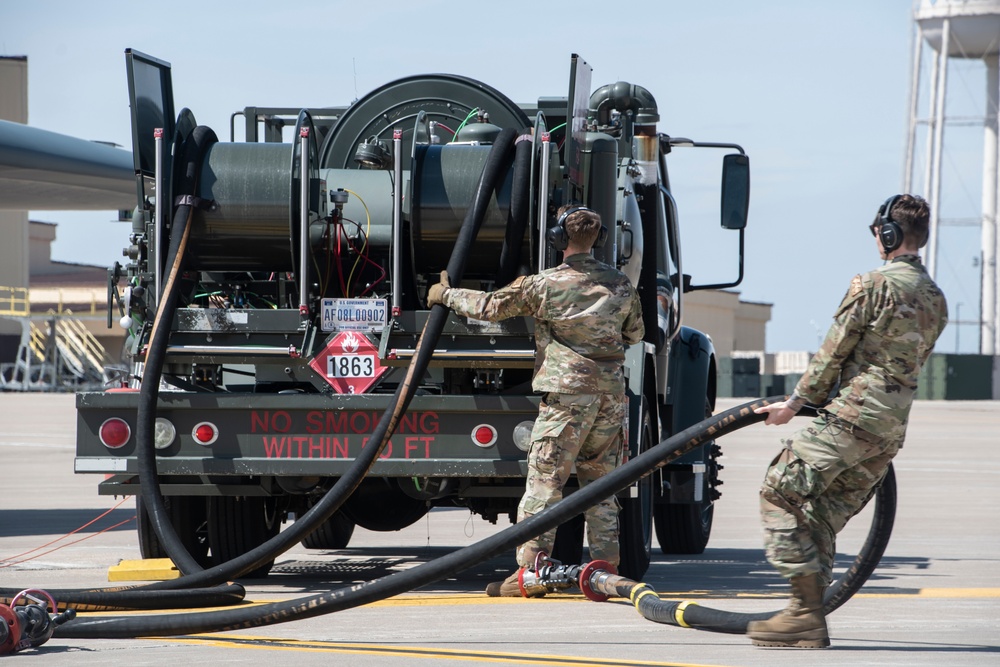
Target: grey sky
816, 92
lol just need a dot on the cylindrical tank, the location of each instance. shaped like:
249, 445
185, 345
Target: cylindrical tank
444, 184
249, 227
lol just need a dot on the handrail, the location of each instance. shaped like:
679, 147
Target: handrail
14, 301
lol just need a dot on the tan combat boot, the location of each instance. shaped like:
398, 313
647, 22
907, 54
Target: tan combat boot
801, 625
510, 588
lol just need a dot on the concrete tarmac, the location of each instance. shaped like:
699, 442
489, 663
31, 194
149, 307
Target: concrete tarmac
934, 599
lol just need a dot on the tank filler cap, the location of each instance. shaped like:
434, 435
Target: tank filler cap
482, 133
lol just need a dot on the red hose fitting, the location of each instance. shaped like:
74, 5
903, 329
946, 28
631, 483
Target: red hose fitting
10, 631
589, 570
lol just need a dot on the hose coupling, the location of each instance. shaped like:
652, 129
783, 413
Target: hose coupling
548, 576
30, 624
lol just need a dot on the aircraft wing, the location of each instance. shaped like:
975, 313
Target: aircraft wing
47, 171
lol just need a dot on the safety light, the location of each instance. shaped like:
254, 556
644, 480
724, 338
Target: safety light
163, 433
484, 435
205, 433
114, 433
522, 435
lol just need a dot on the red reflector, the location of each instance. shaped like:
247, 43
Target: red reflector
484, 435
114, 433
205, 433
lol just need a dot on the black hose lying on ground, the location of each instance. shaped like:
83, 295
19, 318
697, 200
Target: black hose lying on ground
401, 582
131, 597
689, 614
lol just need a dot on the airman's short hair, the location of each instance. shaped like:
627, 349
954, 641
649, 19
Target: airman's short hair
913, 215
583, 226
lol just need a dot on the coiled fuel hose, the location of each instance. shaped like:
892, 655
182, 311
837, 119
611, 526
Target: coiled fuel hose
712, 428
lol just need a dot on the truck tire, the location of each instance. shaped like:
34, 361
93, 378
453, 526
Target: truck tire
684, 528
635, 521
188, 516
238, 524
335, 533
379, 505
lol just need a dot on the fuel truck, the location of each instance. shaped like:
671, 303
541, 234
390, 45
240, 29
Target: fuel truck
306, 263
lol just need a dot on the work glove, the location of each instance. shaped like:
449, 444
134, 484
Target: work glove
437, 292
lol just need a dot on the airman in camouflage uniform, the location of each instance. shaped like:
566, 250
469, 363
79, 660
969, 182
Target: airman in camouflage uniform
882, 334
585, 313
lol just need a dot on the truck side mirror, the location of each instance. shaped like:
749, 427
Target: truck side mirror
735, 190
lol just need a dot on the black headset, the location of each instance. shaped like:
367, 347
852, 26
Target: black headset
888, 229
559, 239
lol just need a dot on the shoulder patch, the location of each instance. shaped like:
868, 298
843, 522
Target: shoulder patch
856, 287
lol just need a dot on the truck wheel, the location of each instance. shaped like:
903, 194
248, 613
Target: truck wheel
334, 533
382, 506
238, 524
635, 521
189, 517
685, 528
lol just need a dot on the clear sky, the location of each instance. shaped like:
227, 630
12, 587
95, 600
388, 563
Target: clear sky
816, 92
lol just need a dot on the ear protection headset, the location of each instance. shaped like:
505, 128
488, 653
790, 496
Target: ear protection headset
559, 239
888, 229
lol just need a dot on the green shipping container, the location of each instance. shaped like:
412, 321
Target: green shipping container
956, 377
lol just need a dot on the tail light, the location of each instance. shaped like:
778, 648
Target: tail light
114, 433
205, 433
484, 436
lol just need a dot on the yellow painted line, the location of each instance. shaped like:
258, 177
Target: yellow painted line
272, 644
463, 599
939, 593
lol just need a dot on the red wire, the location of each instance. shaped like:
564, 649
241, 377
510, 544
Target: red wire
7, 562
365, 256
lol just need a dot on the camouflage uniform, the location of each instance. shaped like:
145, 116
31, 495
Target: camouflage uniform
585, 313
883, 332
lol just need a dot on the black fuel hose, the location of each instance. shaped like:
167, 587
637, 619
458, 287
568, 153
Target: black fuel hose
131, 597
712, 428
181, 594
520, 206
496, 166
195, 148
689, 614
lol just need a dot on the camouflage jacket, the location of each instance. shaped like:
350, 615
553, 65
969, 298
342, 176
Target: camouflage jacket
882, 334
585, 313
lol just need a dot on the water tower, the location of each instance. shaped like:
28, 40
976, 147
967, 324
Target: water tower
965, 29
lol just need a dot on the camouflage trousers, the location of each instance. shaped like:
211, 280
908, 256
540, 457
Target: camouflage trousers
585, 429
826, 474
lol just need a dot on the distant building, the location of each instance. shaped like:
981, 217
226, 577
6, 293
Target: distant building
733, 324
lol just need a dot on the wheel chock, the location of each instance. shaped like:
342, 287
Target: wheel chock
148, 569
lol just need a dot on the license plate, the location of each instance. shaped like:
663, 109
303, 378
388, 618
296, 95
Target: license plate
354, 314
